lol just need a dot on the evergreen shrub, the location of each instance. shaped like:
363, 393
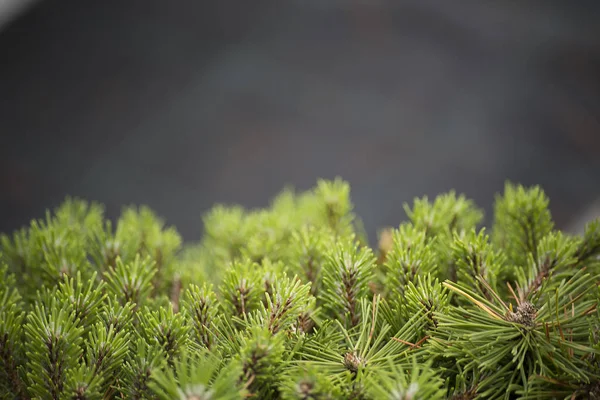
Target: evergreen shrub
290, 302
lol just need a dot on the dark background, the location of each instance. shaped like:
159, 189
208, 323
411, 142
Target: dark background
181, 104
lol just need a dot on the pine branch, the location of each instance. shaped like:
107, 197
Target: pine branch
412, 255
166, 329
144, 361
11, 321
108, 349
85, 300
333, 198
131, 283
53, 347
556, 256
285, 306
260, 359
588, 250
521, 219
478, 263
242, 289
202, 309
447, 214
410, 381
198, 376
347, 274
308, 247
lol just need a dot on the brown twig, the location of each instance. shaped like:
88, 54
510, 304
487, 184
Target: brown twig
175, 293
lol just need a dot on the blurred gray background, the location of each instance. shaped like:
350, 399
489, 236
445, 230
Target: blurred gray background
182, 104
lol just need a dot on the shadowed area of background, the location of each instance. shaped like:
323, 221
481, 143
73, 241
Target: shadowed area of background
180, 105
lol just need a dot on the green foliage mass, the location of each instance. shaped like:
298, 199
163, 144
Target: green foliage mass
290, 302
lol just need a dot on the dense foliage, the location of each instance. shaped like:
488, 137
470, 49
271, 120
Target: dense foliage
290, 302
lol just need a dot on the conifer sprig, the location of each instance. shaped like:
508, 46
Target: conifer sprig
53, 348
11, 332
521, 220
347, 273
